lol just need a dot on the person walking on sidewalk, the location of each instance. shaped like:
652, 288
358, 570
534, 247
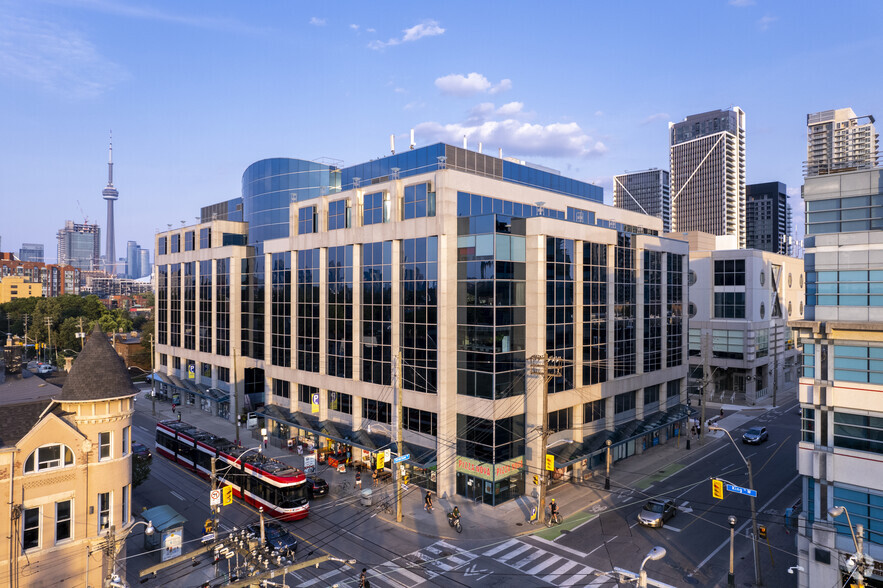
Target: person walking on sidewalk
358, 480
428, 501
363, 579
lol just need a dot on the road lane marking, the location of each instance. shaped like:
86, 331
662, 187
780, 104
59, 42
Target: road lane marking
670, 528
744, 525
512, 554
178, 496
501, 547
543, 565
559, 572
557, 546
142, 428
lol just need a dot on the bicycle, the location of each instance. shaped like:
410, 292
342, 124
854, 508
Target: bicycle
554, 519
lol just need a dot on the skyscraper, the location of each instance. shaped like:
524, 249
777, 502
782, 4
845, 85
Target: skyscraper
841, 391
838, 140
708, 173
647, 192
31, 252
144, 262
768, 218
133, 260
79, 245
110, 194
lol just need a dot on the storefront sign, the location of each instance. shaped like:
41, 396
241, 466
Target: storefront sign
488, 471
171, 543
310, 463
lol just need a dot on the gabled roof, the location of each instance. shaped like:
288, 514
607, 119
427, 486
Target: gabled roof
17, 419
98, 373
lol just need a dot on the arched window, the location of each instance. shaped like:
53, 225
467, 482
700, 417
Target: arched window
49, 457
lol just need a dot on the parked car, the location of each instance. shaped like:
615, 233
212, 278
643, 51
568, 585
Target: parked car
755, 435
656, 512
316, 486
275, 536
140, 450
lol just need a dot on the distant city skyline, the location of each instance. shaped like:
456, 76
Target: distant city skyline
227, 85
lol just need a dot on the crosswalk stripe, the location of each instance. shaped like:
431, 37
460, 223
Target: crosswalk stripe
598, 581
321, 578
413, 579
578, 577
527, 560
543, 564
501, 547
550, 578
512, 554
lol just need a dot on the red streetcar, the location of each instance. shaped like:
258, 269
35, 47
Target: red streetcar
260, 481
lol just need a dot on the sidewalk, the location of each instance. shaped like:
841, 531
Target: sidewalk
638, 472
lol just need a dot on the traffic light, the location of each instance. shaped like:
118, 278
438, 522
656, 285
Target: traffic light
761, 532
717, 489
536, 480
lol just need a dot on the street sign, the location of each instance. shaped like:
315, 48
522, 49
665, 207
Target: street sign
191, 371
550, 462
314, 404
741, 490
208, 537
387, 455
402, 458
227, 495
214, 498
380, 460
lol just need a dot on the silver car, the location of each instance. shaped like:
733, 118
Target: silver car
656, 512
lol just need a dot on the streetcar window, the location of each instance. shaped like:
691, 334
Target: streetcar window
292, 496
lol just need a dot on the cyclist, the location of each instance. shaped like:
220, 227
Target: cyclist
456, 514
553, 508
428, 501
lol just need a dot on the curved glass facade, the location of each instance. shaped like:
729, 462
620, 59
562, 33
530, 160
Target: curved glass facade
270, 185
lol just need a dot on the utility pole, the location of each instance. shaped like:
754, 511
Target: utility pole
81, 335
235, 396
110, 553
550, 367
153, 377
49, 333
776, 366
27, 319
731, 578
399, 411
215, 508
757, 575
703, 399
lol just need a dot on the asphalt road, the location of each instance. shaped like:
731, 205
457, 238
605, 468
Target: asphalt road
605, 534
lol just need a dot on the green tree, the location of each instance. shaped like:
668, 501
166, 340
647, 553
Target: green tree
140, 470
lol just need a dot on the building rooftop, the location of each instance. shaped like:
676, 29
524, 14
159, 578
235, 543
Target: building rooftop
98, 373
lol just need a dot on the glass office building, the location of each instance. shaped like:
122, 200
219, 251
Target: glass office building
439, 272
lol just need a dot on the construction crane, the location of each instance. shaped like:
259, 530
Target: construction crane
85, 218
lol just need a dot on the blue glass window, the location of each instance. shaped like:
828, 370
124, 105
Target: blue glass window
222, 307
377, 312
176, 243
190, 305
340, 311
560, 274
307, 220
339, 215
175, 305
594, 313
280, 320
419, 201
161, 245
308, 349
419, 280
376, 208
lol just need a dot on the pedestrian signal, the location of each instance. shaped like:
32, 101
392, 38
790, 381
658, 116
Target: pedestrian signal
717, 489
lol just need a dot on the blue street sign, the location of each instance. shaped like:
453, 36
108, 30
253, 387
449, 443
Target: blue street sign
741, 490
402, 458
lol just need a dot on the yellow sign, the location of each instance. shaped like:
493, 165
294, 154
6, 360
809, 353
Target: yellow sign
380, 460
550, 462
314, 405
536, 480
717, 489
227, 495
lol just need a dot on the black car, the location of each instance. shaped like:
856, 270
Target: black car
316, 486
275, 536
140, 450
656, 512
755, 435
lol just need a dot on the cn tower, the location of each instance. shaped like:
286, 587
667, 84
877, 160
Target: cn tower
110, 194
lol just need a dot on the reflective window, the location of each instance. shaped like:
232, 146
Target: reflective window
190, 305
377, 312
490, 441
205, 306
307, 220
339, 215
375, 209
176, 243
729, 272
674, 310
30, 526
49, 457
729, 305
728, 344
189, 240
419, 308
421, 421
375, 410
561, 420
308, 348
222, 306
280, 321
306, 393
624, 402
651, 394
559, 308
652, 311
205, 238
340, 402
419, 202
624, 307
594, 313
252, 306
162, 304
63, 519
594, 411
162, 246
175, 305
282, 389
340, 311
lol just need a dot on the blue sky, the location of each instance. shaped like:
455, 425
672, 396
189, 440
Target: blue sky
196, 91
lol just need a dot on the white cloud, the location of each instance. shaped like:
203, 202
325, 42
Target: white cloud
741, 3
355, 27
470, 84
58, 60
599, 113
765, 22
517, 137
510, 109
427, 28
317, 22
371, 30
414, 105
655, 117
400, 91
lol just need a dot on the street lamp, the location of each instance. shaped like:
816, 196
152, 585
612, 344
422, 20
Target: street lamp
731, 578
861, 560
149, 524
607, 477
757, 575
655, 554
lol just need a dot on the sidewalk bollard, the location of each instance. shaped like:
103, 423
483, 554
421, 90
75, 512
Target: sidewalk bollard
688, 444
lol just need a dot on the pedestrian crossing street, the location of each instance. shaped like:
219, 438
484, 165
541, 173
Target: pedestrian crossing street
470, 567
545, 565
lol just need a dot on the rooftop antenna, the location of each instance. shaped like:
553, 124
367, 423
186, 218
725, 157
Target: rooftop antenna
464, 141
412, 139
479, 146
501, 153
392, 144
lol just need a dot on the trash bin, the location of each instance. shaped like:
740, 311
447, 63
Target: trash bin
367, 496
